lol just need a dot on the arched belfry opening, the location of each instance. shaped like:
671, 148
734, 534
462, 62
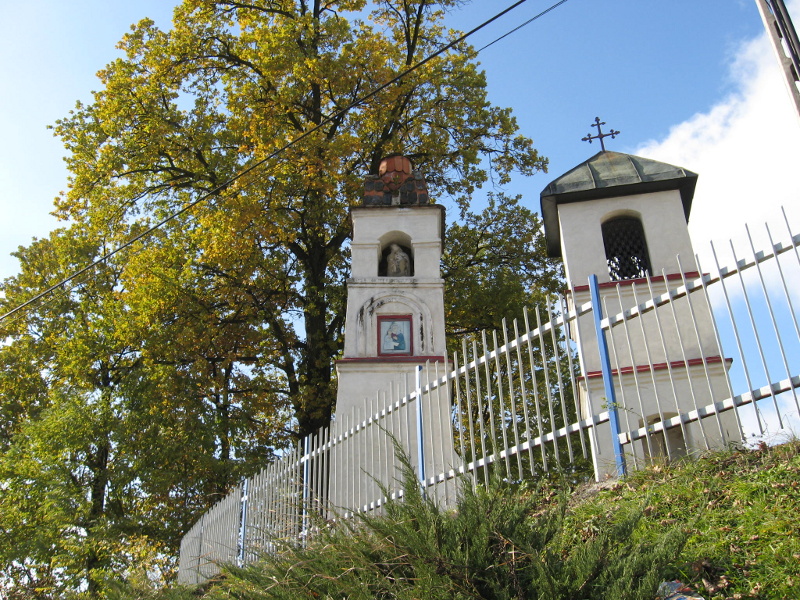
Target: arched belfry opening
626, 248
663, 445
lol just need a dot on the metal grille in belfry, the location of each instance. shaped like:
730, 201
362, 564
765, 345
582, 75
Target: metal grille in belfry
626, 248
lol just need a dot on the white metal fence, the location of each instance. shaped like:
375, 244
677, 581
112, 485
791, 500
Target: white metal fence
693, 361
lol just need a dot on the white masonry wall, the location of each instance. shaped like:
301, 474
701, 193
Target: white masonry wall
664, 223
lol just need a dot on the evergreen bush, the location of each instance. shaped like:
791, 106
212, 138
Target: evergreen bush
499, 543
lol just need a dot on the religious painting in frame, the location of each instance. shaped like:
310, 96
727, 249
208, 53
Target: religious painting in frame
394, 335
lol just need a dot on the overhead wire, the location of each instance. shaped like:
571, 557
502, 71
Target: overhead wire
526, 23
274, 154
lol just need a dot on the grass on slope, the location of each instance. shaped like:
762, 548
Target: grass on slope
728, 523
740, 509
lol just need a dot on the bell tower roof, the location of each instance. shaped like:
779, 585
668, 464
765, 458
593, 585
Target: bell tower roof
609, 175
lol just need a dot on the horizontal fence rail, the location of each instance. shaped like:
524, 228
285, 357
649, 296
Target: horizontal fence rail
699, 357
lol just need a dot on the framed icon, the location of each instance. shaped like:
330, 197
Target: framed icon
394, 335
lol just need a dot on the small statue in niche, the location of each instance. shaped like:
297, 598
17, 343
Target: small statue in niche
397, 263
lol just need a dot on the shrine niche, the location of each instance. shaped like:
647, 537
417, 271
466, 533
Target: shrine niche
395, 335
396, 261
375, 317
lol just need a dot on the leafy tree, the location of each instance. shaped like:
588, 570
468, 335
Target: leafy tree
231, 83
496, 261
62, 466
496, 265
106, 453
135, 399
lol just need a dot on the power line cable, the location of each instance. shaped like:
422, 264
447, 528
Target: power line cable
326, 120
526, 23
60, 292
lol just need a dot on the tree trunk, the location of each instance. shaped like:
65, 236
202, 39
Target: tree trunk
98, 463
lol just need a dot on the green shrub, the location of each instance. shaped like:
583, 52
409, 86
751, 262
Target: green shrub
498, 543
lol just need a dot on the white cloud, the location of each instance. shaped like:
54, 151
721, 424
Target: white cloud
746, 150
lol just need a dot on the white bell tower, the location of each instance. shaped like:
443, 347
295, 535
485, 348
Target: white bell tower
395, 317
624, 218
395, 296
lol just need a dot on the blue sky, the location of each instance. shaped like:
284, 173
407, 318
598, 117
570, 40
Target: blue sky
691, 83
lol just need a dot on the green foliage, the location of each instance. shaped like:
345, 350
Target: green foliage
497, 265
498, 543
264, 262
532, 387
742, 511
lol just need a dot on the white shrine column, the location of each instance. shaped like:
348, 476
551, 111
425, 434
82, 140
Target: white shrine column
622, 218
395, 306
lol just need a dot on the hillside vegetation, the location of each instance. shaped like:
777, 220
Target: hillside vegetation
728, 524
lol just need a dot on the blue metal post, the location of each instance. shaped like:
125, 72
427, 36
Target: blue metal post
608, 381
306, 460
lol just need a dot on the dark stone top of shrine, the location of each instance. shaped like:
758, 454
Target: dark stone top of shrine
396, 184
609, 175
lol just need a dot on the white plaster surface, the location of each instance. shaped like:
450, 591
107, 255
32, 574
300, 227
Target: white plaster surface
677, 332
368, 299
651, 395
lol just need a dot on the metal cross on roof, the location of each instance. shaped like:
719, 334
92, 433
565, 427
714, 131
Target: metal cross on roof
600, 135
